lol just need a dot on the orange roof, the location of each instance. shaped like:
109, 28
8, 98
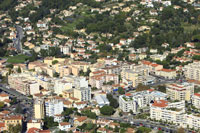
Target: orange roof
38, 95
2, 125
5, 112
32, 130
81, 118
197, 94
66, 102
128, 94
168, 70
161, 103
73, 98
194, 81
79, 103
146, 62
4, 95
154, 65
64, 123
150, 90
44, 131
101, 129
14, 117
7, 100
114, 124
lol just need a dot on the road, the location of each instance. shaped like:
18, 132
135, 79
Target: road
25, 102
17, 40
14, 93
145, 123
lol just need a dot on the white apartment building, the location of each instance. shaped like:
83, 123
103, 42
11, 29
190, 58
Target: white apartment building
53, 106
134, 101
65, 49
61, 85
77, 82
183, 91
175, 113
191, 121
165, 111
196, 100
192, 71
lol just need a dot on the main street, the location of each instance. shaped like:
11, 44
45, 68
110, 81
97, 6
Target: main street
25, 102
14, 93
145, 123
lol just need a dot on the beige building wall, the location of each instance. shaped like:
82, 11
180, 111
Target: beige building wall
39, 109
77, 94
34, 125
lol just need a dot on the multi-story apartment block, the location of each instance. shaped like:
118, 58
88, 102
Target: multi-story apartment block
98, 80
134, 101
39, 109
183, 91
191, 121
175, 113
192, 71
83, 94
61, 85
53, 106
77, 82
153, 67
165, 111
23, 84
167, 73
196, 100
138, 74
112, 69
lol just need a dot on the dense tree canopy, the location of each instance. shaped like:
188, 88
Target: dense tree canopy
107, 110
7, 4
113, 102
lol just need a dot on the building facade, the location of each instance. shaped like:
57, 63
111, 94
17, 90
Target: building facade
183, 91
134, 101
39, 109
83, 94
53, 106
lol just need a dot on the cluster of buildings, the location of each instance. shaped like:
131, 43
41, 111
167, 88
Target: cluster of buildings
167, 107
57, 84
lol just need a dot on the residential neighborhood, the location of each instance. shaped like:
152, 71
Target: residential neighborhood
99, 66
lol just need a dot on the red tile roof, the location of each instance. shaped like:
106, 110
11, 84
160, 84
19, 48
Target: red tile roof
64, 123
168, 70
128, 94
81, 118
4, 95
44, 131
32, 130
14, 117
82, 102
150, 90
161, 103
2, 125
197, 94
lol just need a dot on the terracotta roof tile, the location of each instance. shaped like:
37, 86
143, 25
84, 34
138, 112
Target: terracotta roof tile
64, 123
4, 95
161, 103
81, 118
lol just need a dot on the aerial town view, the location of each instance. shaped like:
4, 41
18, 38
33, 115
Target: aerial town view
100, 66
